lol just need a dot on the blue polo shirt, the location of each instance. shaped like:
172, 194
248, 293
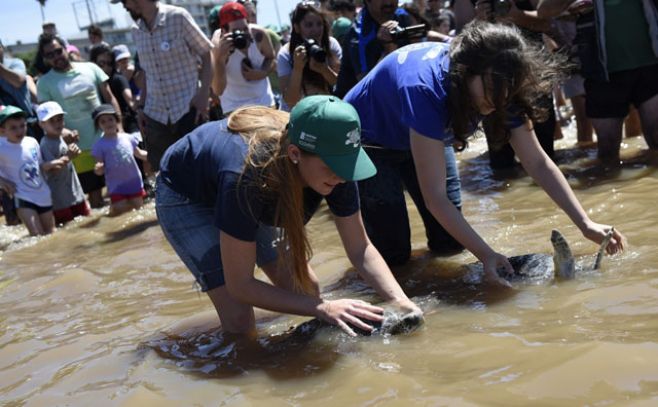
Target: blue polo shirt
207, 166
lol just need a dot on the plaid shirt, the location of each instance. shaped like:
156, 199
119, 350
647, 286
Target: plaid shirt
170, 57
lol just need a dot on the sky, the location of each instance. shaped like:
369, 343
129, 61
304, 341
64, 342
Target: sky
20, 20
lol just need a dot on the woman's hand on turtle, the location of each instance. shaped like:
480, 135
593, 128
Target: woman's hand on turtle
494, 262
596, 232
346, 312
407, 306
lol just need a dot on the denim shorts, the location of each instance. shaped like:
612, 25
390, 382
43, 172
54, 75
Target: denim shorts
190, 229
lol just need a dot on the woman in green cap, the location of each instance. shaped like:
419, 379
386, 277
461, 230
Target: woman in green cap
224, 187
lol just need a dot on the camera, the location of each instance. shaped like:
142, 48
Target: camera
240, 39
315, 51
500, 7
406, 35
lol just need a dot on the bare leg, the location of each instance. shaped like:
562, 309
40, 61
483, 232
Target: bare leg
47, 222
632, 125
96, 198
608, 133
31, 220
236, 317
117, 208
136, 203
649, 119
583, 124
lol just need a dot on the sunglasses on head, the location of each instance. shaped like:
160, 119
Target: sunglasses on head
54, 53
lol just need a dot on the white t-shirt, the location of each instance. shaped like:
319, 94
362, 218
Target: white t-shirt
21, 164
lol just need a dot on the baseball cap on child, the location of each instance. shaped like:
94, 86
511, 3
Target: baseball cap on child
231, 12
101, 110
327, 126
120, 52
7, 111
47, 110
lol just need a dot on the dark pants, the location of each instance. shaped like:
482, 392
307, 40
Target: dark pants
384, 208
160, 136
503, 157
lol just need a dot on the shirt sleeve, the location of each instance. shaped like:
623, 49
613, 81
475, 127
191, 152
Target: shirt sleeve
193, 36
43, 95
99, 74
344, 199
335, 48
47, 151
236, 207
284, 61
423, 110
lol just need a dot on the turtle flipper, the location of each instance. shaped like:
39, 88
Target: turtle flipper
604, 245
563, 260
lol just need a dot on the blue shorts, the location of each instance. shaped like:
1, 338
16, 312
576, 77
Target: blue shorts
23, 204
189, 227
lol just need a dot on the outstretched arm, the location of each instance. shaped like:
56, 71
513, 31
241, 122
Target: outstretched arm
430, 166
369, 263
542, 169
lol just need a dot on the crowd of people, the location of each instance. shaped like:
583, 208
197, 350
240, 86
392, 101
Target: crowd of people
249, 129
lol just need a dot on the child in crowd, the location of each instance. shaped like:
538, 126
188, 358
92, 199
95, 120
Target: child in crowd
20, 171
67, 195
115, 154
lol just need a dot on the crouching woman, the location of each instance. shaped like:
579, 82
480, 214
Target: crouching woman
224, 187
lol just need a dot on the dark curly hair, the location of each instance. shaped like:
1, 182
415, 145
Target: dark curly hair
515, 74
296, 17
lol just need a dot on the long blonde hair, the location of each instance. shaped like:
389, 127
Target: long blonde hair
264, 131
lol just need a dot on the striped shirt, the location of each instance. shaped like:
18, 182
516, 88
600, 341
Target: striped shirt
170, 56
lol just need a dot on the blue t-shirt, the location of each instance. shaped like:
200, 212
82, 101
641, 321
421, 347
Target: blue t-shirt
122, 174
407, 89
207, 165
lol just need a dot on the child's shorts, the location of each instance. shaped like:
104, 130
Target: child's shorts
67, 214
23, 204
114, 198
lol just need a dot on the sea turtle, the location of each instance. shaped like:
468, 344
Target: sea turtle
395, 322
543, 268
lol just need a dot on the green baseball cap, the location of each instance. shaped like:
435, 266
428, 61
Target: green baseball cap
327, 126
7, 111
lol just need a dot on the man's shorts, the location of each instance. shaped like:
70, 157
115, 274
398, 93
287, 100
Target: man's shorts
67, 214
114, 198
23, 204
611, 99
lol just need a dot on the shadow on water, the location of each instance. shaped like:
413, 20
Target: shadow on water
129, 231
289, 355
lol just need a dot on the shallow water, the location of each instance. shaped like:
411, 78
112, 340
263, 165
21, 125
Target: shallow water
104, 313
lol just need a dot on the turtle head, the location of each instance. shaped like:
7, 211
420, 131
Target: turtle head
563, 261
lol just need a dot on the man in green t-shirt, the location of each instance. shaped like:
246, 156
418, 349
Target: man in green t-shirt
79, 87
618, 49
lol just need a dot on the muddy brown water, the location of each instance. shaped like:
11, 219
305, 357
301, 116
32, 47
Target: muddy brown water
104, 313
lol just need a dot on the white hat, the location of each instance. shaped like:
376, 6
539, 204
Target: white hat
120, 51
47, 110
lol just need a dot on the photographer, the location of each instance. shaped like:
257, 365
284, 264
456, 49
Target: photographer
313, 67
369, 40
242, 59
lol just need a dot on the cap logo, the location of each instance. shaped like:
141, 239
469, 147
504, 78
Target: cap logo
353, 138
307, 140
